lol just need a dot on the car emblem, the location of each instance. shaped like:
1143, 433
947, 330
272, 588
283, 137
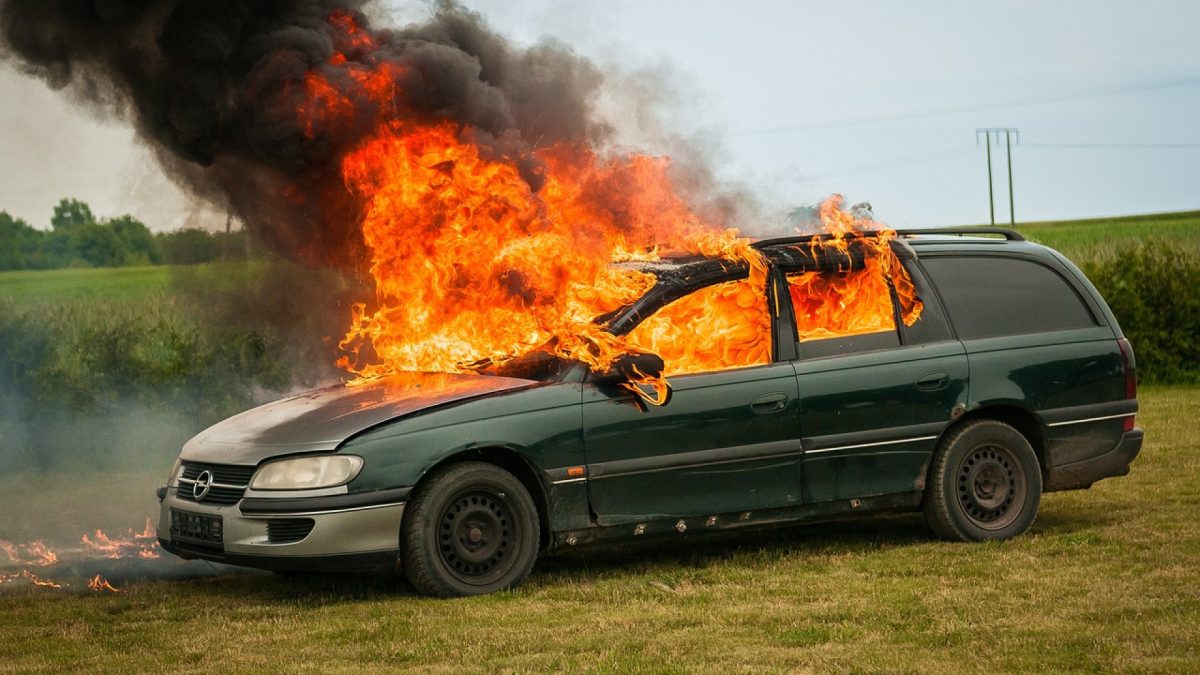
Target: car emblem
201, 486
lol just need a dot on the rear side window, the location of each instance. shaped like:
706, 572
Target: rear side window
991, 297
848, 312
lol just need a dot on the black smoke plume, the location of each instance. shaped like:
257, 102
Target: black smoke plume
214, 87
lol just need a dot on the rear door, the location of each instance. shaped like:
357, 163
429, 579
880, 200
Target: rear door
879, 376
1039, 343
729, 438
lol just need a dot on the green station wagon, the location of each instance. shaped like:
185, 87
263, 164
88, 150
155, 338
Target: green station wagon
987, 371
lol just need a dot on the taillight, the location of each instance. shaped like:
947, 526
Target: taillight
1130, 376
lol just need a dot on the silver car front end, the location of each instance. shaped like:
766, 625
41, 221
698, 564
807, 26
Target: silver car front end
209, 512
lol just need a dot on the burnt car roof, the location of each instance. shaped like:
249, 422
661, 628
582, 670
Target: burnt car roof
799, 253
677, 274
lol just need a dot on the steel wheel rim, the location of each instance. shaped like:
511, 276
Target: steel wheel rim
477, 536
991, 487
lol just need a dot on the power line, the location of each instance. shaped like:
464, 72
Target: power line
948, 153
906, 160
966, 108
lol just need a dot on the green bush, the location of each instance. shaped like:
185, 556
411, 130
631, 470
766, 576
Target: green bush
125, 379
116, 368
1153, 288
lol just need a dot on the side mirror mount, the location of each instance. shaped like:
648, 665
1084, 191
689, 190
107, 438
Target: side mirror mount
640, 375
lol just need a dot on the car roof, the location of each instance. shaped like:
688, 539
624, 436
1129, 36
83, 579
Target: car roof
798, 252
678, 273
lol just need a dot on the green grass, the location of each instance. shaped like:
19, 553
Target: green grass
123, 284
1099, 238
1107, 580
65, 285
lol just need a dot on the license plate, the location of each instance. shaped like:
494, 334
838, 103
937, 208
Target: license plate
200, 528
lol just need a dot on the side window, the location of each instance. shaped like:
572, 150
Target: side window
718, 327
991, 297
930, 325
846, 312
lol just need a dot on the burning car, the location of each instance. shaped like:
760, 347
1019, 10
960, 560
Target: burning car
961, 376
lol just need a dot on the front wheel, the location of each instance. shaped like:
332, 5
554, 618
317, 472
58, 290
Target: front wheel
470, 529
985, 483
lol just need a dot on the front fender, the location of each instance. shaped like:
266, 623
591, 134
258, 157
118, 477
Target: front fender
542, 424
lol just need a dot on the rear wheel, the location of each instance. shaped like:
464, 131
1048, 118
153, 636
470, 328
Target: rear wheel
985, 483
470, 529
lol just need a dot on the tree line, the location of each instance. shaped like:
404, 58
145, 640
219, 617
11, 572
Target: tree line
77, 238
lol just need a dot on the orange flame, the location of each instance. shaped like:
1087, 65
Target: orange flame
497, 270
38, 581
31, 578
32, 554
140, 544
39, 554
99, 583
728, 325
10, 550
852, 302
473, 263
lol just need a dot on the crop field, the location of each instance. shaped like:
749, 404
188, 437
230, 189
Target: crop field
1098, 239
65, 285
1107, 580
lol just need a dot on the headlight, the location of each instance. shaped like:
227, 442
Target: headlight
171, 477
305, 473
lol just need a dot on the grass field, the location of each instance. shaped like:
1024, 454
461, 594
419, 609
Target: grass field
65, 285
1097, 239
1106, 581
121, 284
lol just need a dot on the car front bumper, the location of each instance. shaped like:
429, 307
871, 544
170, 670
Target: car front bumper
348, 533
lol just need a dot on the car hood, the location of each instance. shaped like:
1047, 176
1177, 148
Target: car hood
319, 420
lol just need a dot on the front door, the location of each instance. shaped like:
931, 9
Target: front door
729, 438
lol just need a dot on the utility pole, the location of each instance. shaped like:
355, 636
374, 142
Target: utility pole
1010, 135
225, 240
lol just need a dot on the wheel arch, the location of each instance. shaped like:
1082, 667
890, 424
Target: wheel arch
514, 463
1015, 416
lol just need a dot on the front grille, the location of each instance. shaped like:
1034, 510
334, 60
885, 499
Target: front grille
229, 482
288, 530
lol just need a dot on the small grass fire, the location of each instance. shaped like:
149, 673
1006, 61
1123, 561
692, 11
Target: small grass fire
67, 568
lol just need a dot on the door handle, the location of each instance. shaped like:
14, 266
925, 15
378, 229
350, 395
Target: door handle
769, 403
933, 381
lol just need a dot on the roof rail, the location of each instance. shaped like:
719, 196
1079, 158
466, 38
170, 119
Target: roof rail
1009, 235
795, 239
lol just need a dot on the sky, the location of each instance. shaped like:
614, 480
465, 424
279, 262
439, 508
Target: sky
874, 99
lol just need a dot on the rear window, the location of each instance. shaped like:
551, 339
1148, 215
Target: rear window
991, 297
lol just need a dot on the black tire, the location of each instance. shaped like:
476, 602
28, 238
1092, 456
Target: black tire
985, 483
469, 529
